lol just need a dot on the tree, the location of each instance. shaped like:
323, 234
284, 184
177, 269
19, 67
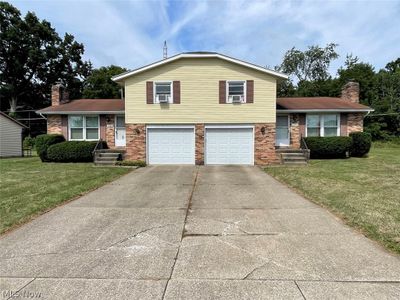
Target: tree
99, 84
33, 57
309, 65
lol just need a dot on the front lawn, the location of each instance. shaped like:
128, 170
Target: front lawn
365, 192
29, 187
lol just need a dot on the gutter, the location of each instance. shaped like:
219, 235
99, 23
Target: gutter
367, 110
91, 112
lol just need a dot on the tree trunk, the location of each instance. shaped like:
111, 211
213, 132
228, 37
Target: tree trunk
13, 104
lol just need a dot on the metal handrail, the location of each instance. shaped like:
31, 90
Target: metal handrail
99, 142
304, 147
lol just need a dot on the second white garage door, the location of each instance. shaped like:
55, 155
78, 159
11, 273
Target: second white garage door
170, 145
229, 146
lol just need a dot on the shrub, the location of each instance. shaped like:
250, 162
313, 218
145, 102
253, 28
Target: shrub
44, 141
329, 147
29, 142
361, 143
137, 163
72, 151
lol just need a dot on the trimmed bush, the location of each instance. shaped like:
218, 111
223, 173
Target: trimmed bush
131, 163
29, 142
44, 141
329, 147
71, 151
361, 143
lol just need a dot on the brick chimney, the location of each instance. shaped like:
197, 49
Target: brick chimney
59, 95
351, 92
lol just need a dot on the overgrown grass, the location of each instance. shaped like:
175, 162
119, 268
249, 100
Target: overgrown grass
29, 187
365, 192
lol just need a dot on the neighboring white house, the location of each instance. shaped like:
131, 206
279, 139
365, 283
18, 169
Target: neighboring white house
10, 136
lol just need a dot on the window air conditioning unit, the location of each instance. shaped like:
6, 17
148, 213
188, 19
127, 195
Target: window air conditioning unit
236, 98
163, 98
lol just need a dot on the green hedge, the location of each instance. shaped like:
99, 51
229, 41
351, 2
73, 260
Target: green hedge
329, 147
72, 151
44, 141
361, 143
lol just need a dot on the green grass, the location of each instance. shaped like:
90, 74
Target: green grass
29, 187
365, 192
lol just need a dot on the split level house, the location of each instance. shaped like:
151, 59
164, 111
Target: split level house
203, 108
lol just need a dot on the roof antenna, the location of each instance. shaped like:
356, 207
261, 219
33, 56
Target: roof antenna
165, 50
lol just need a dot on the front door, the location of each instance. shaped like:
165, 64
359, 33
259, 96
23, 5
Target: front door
120, 131
282, 131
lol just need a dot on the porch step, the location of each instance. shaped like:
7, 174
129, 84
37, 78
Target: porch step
108, 156
292, 156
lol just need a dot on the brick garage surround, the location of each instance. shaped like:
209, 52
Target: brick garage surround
199, 136
135, 142
264, 144
355, 122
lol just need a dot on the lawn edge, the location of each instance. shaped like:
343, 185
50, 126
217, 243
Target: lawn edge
37, 215
338, 215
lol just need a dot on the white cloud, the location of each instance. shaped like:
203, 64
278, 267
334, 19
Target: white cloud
131, 33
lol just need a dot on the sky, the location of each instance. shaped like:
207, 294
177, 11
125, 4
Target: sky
131, 33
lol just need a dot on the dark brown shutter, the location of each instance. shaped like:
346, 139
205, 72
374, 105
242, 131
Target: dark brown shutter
222, 92
149, 92
177, 92
249, 91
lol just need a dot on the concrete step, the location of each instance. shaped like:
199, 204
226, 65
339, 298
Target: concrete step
109, 154
294, 158
111, 151
101, 159
104, 162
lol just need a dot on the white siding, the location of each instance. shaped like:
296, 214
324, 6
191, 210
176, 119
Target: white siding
10, 138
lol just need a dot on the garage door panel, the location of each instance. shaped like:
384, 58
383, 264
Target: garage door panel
229, 146
170, 145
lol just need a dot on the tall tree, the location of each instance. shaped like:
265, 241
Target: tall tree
33, 56
99, 84
311, 64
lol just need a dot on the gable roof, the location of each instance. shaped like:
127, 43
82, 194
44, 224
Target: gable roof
12, 119
300, 104
199, 54
92, 106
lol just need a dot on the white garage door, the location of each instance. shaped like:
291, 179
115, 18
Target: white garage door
229, 146
170, 145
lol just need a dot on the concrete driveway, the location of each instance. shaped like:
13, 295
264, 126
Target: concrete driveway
194, 233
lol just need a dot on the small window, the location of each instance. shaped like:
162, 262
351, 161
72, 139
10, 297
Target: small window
163, 92
323, 125
83, 128
236, 92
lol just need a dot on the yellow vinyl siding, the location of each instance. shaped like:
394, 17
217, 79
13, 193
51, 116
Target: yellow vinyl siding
199, 79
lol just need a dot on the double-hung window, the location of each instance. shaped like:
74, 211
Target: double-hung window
163, 92
236, 92
323, 125
83, 128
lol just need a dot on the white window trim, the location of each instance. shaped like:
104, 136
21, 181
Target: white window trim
244, 90
83, 128
322, 123
171, 100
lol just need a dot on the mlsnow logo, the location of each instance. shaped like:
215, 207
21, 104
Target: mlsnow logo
9, 294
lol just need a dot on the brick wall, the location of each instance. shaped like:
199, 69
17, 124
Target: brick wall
355, 122
199, 136
264, 144
54, 124
110, 131
135, 142
295, 131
